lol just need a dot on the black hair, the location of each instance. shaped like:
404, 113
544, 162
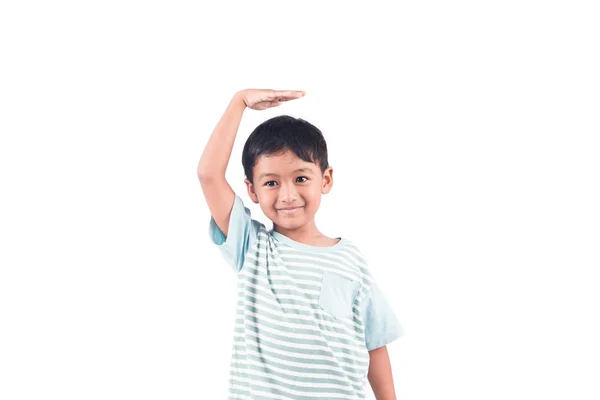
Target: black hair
282, 133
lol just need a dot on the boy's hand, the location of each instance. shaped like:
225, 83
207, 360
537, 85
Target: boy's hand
261, 99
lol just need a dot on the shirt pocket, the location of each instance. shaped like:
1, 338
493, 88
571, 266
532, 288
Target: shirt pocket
337, 294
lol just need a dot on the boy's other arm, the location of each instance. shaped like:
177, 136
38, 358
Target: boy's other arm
212, 165
380, 374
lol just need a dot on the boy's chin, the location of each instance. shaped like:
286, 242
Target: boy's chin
289, 222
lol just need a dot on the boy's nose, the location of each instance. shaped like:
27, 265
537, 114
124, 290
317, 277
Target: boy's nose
287, 194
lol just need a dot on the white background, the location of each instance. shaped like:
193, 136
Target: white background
464, 141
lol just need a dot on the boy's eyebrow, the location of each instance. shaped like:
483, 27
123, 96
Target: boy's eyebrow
272, 174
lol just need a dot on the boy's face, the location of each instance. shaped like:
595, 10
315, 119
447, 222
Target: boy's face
278, 185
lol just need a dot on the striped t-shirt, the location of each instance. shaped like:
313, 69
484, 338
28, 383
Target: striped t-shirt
306, 316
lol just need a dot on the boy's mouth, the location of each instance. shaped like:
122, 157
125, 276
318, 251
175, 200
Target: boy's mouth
290, 210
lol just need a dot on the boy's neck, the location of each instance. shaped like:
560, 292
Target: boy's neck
307, 234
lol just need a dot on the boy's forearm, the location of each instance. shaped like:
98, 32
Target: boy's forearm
380, 374
218, 149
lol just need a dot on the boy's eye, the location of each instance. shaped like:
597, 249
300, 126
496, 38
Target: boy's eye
300, 177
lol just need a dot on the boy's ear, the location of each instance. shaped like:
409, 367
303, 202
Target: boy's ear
251, 191
327, 180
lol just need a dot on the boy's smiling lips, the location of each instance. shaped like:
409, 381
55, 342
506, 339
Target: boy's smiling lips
290, 210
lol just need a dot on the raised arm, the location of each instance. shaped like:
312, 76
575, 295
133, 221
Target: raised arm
212, 165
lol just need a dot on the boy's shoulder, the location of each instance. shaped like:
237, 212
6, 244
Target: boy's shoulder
359, 259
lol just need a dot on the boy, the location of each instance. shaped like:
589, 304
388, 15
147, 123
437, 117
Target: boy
311, 322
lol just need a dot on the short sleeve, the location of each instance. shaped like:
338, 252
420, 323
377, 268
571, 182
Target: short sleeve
380, 322
241, 234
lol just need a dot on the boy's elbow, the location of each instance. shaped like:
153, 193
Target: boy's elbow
202, 170
206, 174
202, 174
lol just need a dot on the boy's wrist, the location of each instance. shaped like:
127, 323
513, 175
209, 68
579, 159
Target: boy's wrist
239, 98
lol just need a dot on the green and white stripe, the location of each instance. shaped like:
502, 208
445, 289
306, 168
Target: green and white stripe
285, 345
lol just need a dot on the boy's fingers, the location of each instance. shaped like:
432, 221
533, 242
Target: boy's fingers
290, 93
276, 97
281, 94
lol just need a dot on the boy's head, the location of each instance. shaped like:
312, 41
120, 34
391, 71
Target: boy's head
273, 153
